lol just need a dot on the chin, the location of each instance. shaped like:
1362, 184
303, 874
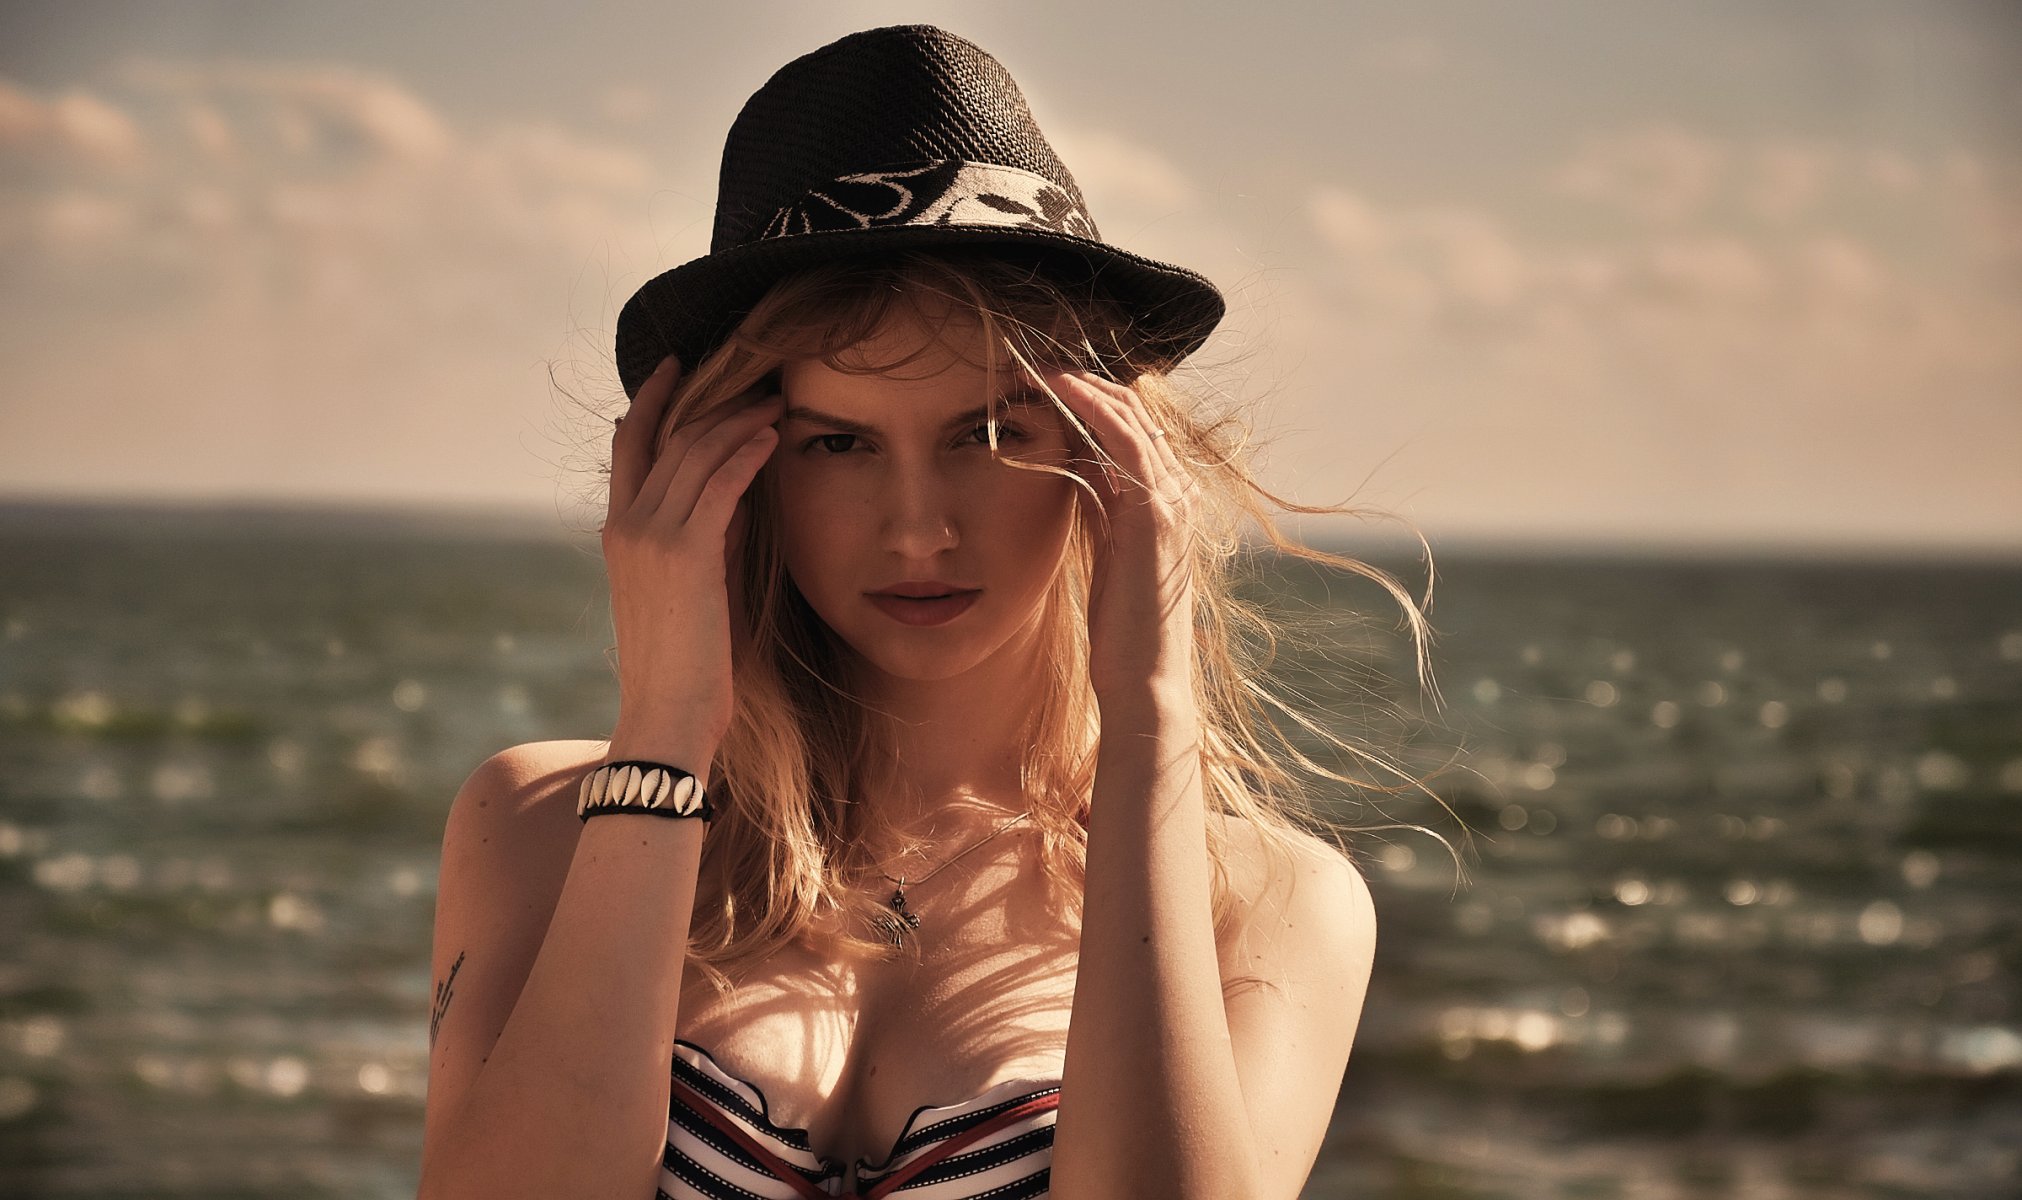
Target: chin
922, 659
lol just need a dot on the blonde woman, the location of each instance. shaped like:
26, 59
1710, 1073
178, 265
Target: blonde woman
942, 846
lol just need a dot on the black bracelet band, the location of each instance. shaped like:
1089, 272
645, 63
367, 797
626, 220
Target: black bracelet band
639, 786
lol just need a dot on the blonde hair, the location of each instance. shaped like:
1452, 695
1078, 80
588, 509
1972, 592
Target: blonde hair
784, 856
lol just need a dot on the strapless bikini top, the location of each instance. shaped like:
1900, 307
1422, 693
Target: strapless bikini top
721, 1144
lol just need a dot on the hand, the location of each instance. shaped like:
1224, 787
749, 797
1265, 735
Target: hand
1140, 604
672, 543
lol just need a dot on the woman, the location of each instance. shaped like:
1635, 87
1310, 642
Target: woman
969, 873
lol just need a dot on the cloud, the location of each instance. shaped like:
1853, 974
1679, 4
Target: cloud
628, 103
309, 248
303, 164
209, 132
1411, 263
314, 110
75, 128
1116, 174
1775, 321
1839, 269
1663, 173
1785, 180
1891, 171
1711, 268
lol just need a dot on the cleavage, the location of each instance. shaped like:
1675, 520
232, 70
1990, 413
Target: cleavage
884, 1155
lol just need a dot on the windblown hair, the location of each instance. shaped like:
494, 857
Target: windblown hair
783, 859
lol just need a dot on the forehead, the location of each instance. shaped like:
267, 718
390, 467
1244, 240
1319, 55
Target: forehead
904, 357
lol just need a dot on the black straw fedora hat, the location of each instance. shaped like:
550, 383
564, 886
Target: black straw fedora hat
891, 139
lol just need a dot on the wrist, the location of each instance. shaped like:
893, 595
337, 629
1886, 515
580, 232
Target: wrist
1164, 685
690, 752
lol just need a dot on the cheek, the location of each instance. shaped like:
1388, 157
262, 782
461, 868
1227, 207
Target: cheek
1030, 514
813, 538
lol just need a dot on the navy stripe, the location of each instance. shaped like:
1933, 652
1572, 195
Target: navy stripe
704, 1181
692, 1180
1028, 1188
726, 1098
987, 1158
941, 1131
698, 1126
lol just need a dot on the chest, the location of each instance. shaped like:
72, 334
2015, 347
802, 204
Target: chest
847, 1052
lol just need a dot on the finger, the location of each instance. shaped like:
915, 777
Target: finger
631, 441
1167, 468
672, 445
1130, 406
677, 437
695, 454
1117, 439
717, 503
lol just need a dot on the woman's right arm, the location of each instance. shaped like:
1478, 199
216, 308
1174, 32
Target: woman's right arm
554, 1015
559, 943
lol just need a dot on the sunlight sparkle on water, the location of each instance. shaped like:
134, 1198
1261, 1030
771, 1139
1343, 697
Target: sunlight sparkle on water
1881, 923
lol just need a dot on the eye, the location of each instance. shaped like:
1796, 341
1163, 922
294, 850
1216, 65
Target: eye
823, 440
1005, 433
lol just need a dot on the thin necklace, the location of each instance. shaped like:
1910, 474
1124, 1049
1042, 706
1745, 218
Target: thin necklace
894, 927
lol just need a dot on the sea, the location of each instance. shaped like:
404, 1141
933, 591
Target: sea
1697, 874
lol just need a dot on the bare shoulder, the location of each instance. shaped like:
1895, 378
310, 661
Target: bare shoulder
1312, 901
1295, 970
528, 779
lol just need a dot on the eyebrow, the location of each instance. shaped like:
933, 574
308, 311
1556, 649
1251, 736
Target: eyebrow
1022, 396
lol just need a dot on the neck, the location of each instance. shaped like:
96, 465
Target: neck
955, 745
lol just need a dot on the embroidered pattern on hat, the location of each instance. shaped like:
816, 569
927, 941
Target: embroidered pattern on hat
945, 192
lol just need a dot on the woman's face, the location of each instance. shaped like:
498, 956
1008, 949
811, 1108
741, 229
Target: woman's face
886, 480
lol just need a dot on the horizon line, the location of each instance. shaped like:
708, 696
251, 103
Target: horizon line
533, 521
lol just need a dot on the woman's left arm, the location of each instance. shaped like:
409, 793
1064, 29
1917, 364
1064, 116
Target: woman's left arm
1167, 1090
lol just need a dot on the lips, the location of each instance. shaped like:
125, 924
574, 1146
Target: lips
924, 610
923, 589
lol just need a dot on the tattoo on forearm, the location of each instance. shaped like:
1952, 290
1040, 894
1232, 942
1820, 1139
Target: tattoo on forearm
443, 992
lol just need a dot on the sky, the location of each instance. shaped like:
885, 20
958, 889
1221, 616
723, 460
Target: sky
1580, 274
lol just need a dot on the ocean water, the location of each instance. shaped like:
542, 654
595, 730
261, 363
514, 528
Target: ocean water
1739, 914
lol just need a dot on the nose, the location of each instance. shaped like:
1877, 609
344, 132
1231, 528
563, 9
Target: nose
920, 518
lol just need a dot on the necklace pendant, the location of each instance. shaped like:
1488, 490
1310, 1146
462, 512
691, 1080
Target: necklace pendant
895, 927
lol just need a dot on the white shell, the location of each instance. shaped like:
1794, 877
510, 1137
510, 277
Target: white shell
662, 783
684, 795
633, 775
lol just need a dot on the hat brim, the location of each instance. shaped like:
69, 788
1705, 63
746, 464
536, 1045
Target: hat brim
690, 310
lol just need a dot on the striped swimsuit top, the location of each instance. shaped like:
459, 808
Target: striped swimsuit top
721, 1145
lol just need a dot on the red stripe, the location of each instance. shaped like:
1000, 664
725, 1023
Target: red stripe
1009, 1116
779, 1167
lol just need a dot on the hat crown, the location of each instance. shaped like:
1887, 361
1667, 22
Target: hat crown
899, 95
